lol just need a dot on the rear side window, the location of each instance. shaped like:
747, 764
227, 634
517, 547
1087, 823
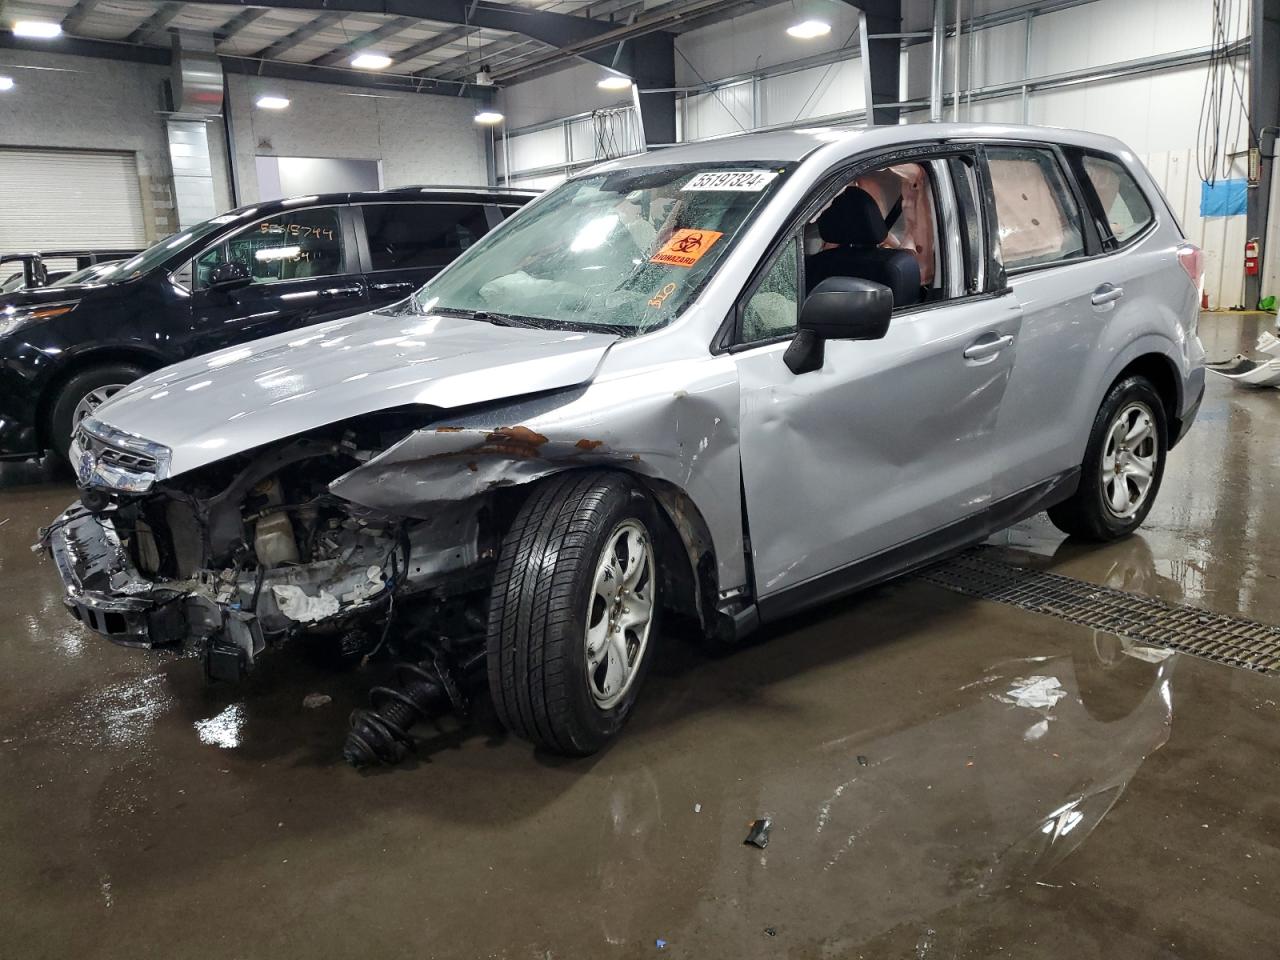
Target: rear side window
1126, 212
405, 235
1039, 222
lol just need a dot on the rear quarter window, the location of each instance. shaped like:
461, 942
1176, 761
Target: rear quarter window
1125, 209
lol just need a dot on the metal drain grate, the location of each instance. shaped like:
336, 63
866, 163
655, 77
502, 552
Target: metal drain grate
1214, 636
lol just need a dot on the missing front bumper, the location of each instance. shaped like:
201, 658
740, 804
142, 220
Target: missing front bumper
104, 591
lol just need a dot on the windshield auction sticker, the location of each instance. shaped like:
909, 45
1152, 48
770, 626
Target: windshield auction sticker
686, 247
741, 181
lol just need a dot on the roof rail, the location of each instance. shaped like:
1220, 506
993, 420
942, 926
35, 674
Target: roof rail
478, 188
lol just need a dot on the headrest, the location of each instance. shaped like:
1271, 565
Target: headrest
853, 219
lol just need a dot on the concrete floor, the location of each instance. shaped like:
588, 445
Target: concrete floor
918, 812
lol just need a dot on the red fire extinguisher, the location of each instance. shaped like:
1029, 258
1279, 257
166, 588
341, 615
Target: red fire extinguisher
1251, 257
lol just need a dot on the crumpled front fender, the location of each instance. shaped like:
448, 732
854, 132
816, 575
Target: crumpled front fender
675, 424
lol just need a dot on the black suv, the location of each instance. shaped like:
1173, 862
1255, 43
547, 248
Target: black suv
246, 274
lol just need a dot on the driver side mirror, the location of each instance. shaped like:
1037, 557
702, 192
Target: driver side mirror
839, 308
229, 276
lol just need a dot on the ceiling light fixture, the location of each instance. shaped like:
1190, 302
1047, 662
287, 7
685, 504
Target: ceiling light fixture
488, 116
614, 82
268, 102
809, 29
6, 83
40, 29
371, 61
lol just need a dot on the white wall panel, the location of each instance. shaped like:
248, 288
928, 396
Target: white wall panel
812, 93
720, 112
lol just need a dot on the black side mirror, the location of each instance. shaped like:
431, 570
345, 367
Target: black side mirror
839, 308
229, 276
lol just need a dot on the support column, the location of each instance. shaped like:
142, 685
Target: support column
1264, 111
882, 46
650, 61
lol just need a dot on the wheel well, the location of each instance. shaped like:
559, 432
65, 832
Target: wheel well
86, 361
1162, 374
686, 552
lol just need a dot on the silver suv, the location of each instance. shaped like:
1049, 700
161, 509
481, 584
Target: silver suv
723, 381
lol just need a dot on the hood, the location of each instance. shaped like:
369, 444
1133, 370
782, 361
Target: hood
35, 296
227, 402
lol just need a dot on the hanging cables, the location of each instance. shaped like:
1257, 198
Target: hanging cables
1224, 110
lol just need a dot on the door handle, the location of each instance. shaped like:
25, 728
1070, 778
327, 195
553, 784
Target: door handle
335, 292
985, 349
396, 285
1107, 293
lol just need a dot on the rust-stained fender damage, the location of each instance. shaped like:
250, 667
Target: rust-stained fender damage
673, 425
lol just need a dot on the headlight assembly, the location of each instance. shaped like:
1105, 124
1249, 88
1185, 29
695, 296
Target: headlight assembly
11, 318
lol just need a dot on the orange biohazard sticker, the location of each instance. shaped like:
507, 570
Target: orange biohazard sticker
686, 247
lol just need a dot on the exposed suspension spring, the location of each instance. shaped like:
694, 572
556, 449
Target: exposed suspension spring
424, 691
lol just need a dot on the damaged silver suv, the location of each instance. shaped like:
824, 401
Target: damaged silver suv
723, 381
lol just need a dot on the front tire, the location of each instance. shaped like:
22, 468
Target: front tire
1123, 465
81, 395
573, 611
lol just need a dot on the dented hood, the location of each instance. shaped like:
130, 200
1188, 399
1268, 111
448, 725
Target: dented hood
223, 403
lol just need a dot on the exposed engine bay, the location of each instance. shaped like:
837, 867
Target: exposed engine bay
254, 550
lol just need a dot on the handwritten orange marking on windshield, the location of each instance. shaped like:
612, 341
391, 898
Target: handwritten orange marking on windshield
686, 247
660, 297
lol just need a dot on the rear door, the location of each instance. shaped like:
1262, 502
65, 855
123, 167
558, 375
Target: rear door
304, 271
1049, 249
409, 243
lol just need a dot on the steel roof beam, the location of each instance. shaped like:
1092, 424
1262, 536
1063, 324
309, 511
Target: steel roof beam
553, 29
366, 40
156, 23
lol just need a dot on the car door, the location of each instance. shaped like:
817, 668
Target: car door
884, 454
408, 243
1048, 250
303, 270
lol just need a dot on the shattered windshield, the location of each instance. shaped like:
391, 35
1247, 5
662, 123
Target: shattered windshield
623, 251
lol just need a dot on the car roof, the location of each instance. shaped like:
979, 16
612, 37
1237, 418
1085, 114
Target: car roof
789, 146
438, 194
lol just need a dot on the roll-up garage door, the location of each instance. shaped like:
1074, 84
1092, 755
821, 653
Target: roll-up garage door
69, 199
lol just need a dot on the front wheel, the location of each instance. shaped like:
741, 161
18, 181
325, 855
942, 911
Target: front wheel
1123, 465
573, 611
81, 396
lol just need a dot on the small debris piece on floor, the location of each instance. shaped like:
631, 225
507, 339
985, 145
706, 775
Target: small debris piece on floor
697, 808
862, 761
313, 700
660, 944
759, 835
771, 931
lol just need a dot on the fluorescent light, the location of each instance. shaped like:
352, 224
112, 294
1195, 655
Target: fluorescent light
371, 61
488, 116
614, 82
267, 254
6, 83
809, 29
41, 29
268, 102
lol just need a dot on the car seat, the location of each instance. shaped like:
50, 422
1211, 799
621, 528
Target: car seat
855, 223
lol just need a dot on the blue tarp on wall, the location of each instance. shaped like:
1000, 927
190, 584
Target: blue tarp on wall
1226, 198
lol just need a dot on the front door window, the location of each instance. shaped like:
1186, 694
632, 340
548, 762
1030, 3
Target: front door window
296, 245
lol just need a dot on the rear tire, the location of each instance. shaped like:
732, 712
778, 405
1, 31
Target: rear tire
573, 613
1123, 465
82, 394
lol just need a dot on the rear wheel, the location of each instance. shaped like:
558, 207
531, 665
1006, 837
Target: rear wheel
1123, 465
573, 612
82, 395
